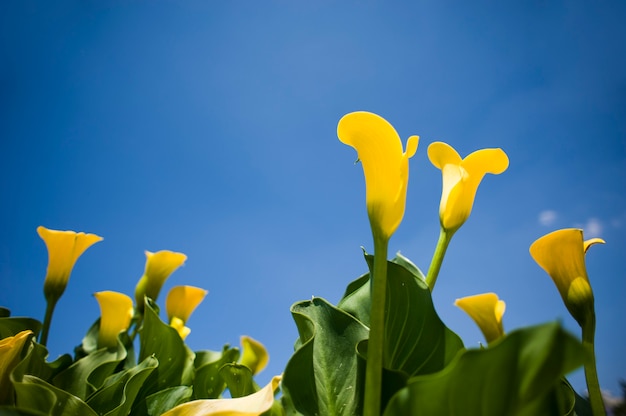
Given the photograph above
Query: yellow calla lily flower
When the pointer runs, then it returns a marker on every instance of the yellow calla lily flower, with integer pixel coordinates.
(64, 248)
(252, 405)
(487, 311)
(461, 178)
(254, 355)
(561, 254)
(385, 165)
(159, 266)
(116, 312)
(10, 355)
(181, 301)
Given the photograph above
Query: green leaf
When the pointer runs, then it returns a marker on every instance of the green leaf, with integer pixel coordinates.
(11, 326)
(238, 380)
(12, 411)
(164, 400)
(323, 376)
(35, 363)
(4, 312)
(514, 376)
(208, 383)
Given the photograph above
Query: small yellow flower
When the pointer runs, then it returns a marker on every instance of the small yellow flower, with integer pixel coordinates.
(461, 178)
(252, 405)
(116, 312)
(159, 266)
(181, 301)
(561, 254)
(385, 165)
(64, 248)
(10, 355)
(254, 356)
(487, 311)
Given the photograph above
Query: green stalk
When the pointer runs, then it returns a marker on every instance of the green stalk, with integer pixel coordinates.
(374, 369)
(440, 252)
(50, 305)
(591, 373)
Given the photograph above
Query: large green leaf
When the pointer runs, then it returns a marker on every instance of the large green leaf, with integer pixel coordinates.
(208, 383)
(164, 400)
(239, 380)
(323, 376)
(517, 375)
(11, 326)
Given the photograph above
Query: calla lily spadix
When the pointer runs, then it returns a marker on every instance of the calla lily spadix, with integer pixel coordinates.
(385, 165)
(181, 301)
(159, 266)
(562, 255)
(64, 248)
(116, 312)
(487, 311)
(254, 355)
(461, 178)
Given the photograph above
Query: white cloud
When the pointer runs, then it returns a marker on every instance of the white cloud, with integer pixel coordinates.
(593, 228)
(547, 217)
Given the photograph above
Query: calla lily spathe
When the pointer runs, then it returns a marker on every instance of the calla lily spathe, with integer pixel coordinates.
(159, 266)
(64, 248)
(461, 178)
(487, 311)
(562, 255)
(254, 355)
(181, 301)
(385, 165)
(10, 355)
(116, 312)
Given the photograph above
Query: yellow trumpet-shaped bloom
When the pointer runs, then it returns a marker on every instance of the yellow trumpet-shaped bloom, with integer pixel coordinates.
(159, 266)
(252, 405)
(116, 312)
(487, 311)
(64, 248)
(10, 355)
(461, 178)
(254, 355)
(181, 301)
(385, 165)
(561, 254)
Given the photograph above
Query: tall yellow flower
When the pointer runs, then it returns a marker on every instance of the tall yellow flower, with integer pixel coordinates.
(116, 312)
(385, 165)
(461, 178)
(562, 255)
(10, 355)
(487, 311)
(159, 266)
(181, 301)
(64, 248)
(254, 355)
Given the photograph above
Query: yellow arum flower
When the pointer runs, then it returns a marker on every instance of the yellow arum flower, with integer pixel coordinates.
(181, 301)
(385, 165)
(254, 355)
(159, 266)
(562, 255)
(64, 248)
(486, 310)
(252, 405)
(461, 178)
(116, 312)
(10, 355)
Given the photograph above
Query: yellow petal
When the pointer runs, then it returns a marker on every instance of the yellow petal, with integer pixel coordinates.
(254, 356)
(10, 355)
(562, 255)
(116, 312)
(159, 266)
(252, 405)
(590, 242)
(487, 311)
(385, 167)
(461, 178)
(64, 248)
(181, 301)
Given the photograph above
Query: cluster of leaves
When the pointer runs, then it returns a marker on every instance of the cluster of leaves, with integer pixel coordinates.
(111, 381)
(427, 370)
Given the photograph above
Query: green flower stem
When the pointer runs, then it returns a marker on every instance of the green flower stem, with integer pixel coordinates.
(374, 369)
(440, 252)
(50, 305)
(591, 374)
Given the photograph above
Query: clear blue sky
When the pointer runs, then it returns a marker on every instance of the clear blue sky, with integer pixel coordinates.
(209, 127)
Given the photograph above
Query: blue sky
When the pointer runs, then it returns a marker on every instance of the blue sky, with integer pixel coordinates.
(209, 128)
